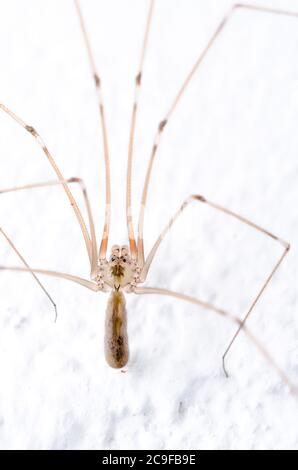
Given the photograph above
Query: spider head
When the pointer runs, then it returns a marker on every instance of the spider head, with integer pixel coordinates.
(119, 261)
(120, 271)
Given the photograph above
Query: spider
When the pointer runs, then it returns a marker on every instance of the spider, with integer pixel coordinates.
(126, 269)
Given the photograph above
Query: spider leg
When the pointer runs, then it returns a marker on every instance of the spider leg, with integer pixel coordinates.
(72, 200)
(138, 81)
(229, 316)
(198, 198)
(69, 277)
(29, 269)
(98, 86)
(164, 122)
(82, 186)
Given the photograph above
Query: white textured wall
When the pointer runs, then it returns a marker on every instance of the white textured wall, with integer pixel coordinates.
(234, 139)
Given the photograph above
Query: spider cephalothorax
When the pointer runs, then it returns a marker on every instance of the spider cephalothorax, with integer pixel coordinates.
(121, 271)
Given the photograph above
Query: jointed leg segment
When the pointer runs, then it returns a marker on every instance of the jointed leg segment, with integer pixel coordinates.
(78, 280)
(138, 81)
(237, 321)
(242, 219)
(80, 182)
(72, 200)
(97, 82)
(69, 277)
(29, 269)
(164, 122)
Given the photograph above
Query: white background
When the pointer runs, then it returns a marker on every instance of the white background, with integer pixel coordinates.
(234, 139)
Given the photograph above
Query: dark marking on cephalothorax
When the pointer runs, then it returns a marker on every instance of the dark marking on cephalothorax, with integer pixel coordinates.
(117, 270)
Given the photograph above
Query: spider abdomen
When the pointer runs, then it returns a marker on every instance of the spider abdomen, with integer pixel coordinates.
(116, 339)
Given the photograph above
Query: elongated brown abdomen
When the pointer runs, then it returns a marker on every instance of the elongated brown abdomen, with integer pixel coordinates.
(116, 340)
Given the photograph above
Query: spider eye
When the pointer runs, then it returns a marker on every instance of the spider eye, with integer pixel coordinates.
(124, 260)
(113, 258)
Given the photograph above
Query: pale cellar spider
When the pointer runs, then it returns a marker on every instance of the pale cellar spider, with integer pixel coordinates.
(126, 269)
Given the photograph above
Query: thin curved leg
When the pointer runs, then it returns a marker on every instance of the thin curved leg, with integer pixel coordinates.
(69, 277)
(217, 207)
(81, 183)
(72, 200)
(29, 270)
(232, 318)
(164, 122)
(138, 82)
(97, 82)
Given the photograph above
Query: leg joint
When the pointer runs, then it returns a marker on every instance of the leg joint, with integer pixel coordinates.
(31, 130)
